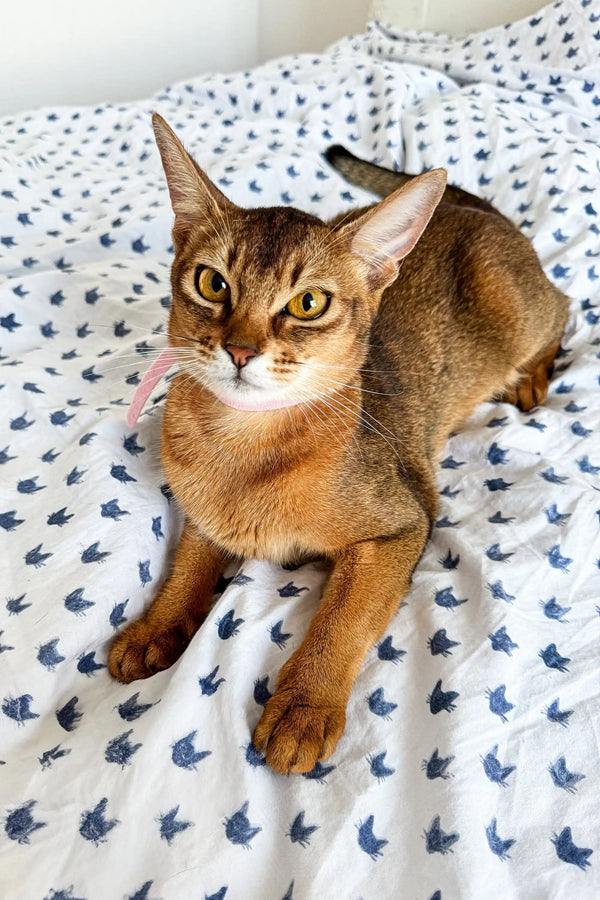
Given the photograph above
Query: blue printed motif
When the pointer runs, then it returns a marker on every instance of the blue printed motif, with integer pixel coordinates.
(479, 693)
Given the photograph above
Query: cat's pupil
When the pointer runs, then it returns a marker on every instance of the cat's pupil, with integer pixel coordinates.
(217, 283)
(308, 301)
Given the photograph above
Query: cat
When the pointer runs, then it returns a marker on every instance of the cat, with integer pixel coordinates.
(322, 368)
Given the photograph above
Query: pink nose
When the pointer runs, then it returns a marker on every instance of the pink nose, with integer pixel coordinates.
(240, 355)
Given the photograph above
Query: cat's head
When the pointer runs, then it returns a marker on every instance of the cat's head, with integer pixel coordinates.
(274, 305)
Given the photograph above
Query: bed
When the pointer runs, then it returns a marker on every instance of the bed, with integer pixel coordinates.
(469, 764)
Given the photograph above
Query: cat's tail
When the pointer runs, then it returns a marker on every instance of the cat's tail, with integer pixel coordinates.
(365, 174)
(382, 181)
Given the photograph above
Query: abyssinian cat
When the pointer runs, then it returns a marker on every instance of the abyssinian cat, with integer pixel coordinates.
(322, 367)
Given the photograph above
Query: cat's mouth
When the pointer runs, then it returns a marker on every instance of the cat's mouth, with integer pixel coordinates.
(241, 394)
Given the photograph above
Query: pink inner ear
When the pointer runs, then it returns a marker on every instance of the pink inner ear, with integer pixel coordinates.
(150, 379)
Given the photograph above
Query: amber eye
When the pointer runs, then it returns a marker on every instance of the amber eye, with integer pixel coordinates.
(211, 285)
(308, 304)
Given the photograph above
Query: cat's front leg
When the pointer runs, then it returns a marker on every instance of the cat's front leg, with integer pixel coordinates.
(305, 717)
(159, 637)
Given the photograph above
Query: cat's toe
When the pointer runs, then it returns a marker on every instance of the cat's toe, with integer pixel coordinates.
(138, 653)
(294, 736)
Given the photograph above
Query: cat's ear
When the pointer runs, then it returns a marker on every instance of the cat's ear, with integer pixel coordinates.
(384, 235)
(193, 195)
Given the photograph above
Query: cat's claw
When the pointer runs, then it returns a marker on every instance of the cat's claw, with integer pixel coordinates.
(295, 734)
(139, 653)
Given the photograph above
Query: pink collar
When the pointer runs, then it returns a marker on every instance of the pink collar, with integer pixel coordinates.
(150, 379)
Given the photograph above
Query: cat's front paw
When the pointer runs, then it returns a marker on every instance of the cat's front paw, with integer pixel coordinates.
(140, 651)
(294, 733)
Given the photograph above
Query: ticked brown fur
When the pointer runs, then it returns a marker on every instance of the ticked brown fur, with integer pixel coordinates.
(401, 357)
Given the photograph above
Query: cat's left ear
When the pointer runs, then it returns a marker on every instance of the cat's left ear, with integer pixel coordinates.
(193, 195)
(384, 235)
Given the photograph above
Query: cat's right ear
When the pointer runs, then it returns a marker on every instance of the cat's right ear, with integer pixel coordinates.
(194, 197)
(387, 232)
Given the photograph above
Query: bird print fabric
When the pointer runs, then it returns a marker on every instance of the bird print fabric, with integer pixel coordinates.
(470, 755)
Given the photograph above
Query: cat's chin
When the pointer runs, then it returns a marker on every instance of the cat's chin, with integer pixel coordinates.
(248, 406)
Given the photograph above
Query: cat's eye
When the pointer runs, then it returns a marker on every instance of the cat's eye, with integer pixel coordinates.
(211, 285)
(308, 304)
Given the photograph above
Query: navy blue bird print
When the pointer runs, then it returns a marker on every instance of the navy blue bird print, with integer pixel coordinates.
(238, 829)
(130, 709)
(498, 703)
(121, 474)
(386, 651)
(501, 641)
(568, 852)
(379, 706)
(300, 833)
(554, 517)
(9, 521)
(449, 561)
(367, 841)
(18, 708)
(553, 659)
(117, 617)
(496, 456)
(561, 776)
(441, 700)
(120, 749)
(439, 841)
(319, 772)
(554, 611)
(436, 766)
(48, 655)
(557, 561)
(171, 826)
(290, 590)
(499, 592)
(378, 766)
(493, 768)
(555, 714)
(262, 694)
(60, 517)
(494, 553)
(67, 716)
(253, 756)
(111, 510)
(94, 826)
(278, 636)
(446, 599)
(49, 756)
(207, 683)
(20, 824)
(92, 554)
(441, 644)
(496, 844)
(184, 753)
(76, 603)
(87, 665)
(219, 895)
(227, 626)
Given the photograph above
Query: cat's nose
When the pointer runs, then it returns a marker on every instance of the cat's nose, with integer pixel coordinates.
(240, 355)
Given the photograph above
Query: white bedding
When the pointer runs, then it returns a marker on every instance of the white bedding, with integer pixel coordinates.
(470, 761)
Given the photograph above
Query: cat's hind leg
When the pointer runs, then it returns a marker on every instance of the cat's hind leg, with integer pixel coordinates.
(534, 378)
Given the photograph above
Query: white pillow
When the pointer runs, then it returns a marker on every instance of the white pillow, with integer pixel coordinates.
(459, 17)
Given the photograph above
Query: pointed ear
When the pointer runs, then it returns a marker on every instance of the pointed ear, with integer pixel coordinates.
(193, 195)
(384, 235)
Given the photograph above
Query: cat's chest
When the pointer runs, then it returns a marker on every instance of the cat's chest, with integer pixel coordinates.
(264, 512)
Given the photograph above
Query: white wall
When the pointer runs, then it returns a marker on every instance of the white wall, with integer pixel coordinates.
(457, 17)
(55, 52)
(301, 26)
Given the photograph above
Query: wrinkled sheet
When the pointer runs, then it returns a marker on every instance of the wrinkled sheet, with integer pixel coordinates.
(470, 758)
